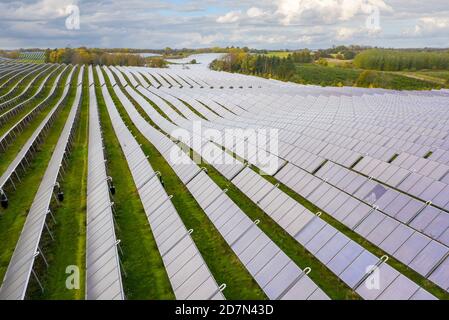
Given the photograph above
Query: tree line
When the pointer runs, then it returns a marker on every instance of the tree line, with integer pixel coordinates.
(240, 61)
(269, 66)
(10, 54)
(92, 56)
(261, 65)
(401, 60)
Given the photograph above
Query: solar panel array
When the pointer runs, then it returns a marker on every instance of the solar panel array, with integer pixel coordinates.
(18, 274)
(8, 99)
(361, 176)
(428, 255)
(316, 235)
(274, 271)
(27, 69)
(32, 55)
(188, 273)
(30, 145)
(9, 136)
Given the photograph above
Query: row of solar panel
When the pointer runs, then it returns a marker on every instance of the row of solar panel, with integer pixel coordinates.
(290, 217)
(438, 256)
(103, 276)
(280, 278)
(188, 273)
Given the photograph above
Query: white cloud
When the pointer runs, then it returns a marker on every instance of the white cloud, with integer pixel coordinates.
(328, 11)
(345, 33)
(305, 39)
(230, 17)
(268, 24)
(429, 26)
(43, 9)
(255, 12)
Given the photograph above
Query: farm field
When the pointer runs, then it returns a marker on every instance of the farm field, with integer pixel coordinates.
(435, 75)
(109, 191)
(279, 54)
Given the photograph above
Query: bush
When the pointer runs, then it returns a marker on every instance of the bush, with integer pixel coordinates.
(322, 62)
(376, 79)
(349, 55)
(156, 62)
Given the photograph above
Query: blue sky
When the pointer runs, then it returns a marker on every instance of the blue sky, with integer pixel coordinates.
(270, 24)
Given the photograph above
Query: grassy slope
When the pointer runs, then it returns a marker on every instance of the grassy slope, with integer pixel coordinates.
(441, 76)
(279, 54)
(146, 276)
(224, 265)
(407, 82)
(316, 74)
(335, 75)
(338, 62)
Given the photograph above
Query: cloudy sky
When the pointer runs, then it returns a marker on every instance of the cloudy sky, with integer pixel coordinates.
(270, 24)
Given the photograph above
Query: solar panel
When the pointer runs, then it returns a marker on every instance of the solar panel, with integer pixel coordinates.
(103, 276)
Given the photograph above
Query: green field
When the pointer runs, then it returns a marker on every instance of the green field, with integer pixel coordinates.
(434, 75)
(316, 74)
(310, 73)
(279, 54)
